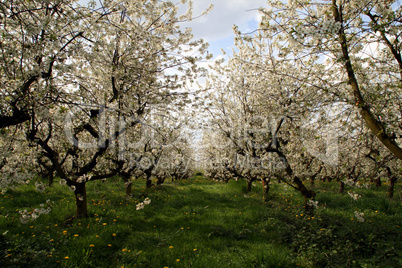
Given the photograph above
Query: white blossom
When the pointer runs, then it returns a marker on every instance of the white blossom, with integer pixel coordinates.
(40, 187)
(354, 195)
(359, 216)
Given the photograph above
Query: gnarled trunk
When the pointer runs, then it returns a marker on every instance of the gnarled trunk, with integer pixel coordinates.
(307, 194)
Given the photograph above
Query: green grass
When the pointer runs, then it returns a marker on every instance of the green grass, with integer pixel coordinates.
(200, 223)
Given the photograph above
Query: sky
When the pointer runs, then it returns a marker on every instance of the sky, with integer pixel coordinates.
(216, 26)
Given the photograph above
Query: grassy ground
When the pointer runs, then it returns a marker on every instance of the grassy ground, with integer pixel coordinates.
(199, 223)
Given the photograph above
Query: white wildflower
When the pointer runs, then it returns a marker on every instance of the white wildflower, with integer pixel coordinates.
(359, 216)
(312, 203)
(140, 206)
(40, 187)
(354, 195)
(147, 201)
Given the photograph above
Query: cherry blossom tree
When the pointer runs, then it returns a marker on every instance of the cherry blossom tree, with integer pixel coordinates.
(259, 113)
(92, 76)
(350, 49)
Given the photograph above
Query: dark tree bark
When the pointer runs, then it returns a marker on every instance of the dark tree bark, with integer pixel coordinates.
(377, 128)
(391, 186)
(81, 200)
(265, 187)
(249, 185)
(378, 182)
(128, 188)
(342, 187)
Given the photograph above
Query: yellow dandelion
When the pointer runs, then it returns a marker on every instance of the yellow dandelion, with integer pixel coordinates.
(171, 247)
(104, 224)
(64, 232)
(92, 245)
(113, 234)
(195, 249)
(109, 245)
(76, 235)
(124, 250)
(66, 258)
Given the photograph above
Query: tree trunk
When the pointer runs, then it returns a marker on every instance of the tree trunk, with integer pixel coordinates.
(249, 182)
(307, 194)
(128, 188)
(312, 181)
(342, 187)
(376, 127)
(149, 181)
(391, 187)
(81, 200)
(378, 182)
(127, 184)
(265, 187)
(51, 178)
(160, 181)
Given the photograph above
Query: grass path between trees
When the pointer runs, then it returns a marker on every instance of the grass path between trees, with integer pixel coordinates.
(200, 223)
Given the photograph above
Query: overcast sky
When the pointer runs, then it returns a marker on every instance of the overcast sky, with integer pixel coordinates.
(216, 27)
